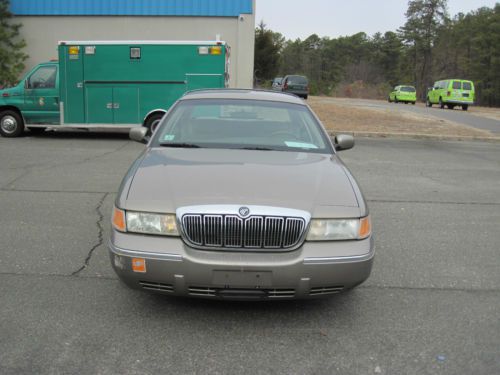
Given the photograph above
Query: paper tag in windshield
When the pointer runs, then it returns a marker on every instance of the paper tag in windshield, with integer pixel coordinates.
(300, 144)
(168, 137)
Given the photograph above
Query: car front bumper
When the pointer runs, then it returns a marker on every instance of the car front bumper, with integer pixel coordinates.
(171, 267)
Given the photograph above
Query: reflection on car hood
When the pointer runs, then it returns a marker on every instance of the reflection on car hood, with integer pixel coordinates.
(170, 178)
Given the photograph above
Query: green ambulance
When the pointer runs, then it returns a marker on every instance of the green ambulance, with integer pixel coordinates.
(404, 94)
(451, 93)
(119, 84)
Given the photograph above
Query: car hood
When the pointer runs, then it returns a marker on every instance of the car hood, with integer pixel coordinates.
(166, 179)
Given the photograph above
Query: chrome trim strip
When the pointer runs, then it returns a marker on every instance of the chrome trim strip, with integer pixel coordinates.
(144, 254)
(147, 42)
(333, 260)
(61, 113)
(93, 126)
(232, 209)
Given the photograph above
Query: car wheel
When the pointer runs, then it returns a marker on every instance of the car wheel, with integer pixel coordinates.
(413, 103)
(11, 124)
(465, 107)
(305, 97)
(152, 122)
(406, 102)
(389, 99)
(396, 100)
(441, 104)
(428, 103)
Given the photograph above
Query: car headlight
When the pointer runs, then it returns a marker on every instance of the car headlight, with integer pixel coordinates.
(145, 222)
(339, 229)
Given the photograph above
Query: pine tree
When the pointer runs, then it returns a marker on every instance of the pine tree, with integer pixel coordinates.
(424, 19)
(11, 45)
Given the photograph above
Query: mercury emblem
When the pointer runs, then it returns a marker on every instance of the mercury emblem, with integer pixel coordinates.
(244, 211)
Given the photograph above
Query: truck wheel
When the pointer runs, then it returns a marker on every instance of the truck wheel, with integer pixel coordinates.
(152, 122)
(465, 107)
(412, 103)
(428, 103)
(441, 104)
(396, 100)
(11, 124)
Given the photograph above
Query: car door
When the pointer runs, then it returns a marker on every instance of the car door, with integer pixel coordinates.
(41, 99)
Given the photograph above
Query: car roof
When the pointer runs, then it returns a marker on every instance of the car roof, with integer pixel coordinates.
(248, 94)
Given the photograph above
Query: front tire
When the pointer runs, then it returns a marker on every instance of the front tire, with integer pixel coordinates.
(441, 104)
(428, 103)
(11, 124)
(465, 107)
(412, 103)
(396, 100)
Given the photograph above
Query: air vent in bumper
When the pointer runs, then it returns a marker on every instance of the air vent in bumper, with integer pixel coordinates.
(157, 287)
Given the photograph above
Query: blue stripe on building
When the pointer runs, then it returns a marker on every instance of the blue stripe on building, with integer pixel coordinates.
(202, 8)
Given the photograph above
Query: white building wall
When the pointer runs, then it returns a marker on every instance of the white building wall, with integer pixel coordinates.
(43, 33)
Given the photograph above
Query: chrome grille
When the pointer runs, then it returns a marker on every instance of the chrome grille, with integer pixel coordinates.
(232, 231)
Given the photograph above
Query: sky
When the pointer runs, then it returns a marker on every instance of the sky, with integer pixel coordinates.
(301, 18)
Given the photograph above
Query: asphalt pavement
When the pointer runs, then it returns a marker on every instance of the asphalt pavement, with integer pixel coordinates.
(431, 305)
(456, 115)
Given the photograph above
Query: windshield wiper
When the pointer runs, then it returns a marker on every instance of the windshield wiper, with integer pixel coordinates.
(256, 148)
(179, 145)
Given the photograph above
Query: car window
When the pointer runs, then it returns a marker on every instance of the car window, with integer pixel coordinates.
(457, 85)
(408, 89)
(467, 85)
(238, 124)
(44, 77)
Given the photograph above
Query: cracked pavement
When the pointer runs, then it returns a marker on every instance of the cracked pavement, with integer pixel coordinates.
(431, 305)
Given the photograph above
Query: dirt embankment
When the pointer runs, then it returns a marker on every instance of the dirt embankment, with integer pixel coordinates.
(339, 115)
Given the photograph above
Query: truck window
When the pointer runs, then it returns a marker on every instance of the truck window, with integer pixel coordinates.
(467, 86)
(43, 78)
(457, 85)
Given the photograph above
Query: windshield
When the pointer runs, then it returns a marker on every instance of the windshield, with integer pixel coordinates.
(408, 89)
(241, 124)
(297, 80)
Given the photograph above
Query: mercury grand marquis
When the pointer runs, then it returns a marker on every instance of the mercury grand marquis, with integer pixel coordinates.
(241, 194)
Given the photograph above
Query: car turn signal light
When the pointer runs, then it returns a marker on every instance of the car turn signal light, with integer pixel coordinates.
(365, 227)
(119, 220)
(139, 265)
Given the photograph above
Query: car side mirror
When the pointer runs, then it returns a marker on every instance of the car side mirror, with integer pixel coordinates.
(343, 142)
(139, 134)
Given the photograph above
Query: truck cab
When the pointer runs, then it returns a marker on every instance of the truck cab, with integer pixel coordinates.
(34, 100)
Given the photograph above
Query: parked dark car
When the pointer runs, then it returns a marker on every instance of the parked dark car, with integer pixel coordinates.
(298, 85)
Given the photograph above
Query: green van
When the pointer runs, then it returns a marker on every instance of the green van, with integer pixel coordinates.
(451, 93)
(405, 94)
